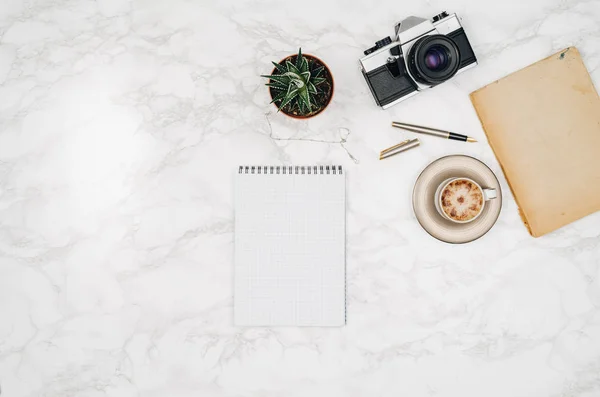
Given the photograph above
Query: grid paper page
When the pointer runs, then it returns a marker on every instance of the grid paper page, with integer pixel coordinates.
(290, 250)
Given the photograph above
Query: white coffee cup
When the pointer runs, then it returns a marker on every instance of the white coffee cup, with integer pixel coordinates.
(487, 194)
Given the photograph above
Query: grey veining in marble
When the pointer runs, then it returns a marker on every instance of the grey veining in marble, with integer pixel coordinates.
(121, 123)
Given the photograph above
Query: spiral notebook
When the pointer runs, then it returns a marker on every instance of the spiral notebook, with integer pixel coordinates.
(290, 246)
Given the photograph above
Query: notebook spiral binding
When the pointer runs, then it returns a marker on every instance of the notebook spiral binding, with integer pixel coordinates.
(297, 170)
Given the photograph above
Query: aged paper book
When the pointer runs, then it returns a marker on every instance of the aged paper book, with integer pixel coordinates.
(543, 124)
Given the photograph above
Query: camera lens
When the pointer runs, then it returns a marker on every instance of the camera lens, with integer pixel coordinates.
(436, 58)
(433, 59)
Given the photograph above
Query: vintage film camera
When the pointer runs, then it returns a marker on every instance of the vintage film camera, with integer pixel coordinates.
(424, 54)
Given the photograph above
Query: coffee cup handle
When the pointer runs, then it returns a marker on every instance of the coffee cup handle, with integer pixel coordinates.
(489, 194)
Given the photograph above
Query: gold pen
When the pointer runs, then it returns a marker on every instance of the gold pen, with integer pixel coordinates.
(401, 147)
(433, 131)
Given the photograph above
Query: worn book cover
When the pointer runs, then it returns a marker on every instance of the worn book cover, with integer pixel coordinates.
(543, 124)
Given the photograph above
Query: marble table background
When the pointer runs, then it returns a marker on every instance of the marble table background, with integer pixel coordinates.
(121, 124)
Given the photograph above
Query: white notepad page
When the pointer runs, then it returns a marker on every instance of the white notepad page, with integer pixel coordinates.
(290, 246)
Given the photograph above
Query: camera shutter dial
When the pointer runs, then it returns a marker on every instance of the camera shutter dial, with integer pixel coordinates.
(383, 42)
(379, 44)
(440, 16)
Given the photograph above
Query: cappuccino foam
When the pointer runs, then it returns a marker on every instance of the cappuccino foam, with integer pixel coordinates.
(462, 200)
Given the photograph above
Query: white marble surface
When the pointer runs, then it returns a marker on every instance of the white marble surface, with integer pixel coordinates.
(121, 123)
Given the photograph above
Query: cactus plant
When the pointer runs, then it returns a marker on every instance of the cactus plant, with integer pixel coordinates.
(300, 86)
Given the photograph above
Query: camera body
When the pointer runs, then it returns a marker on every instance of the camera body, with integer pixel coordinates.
(425, 53)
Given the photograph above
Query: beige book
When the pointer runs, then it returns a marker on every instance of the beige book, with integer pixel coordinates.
(543, 124)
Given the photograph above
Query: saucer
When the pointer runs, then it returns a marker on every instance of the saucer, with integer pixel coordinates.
(424, 205)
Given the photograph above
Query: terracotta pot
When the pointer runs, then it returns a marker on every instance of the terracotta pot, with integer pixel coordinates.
(328, 76)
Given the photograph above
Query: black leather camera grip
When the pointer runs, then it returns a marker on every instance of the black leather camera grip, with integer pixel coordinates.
(467, 56)
(386, 87)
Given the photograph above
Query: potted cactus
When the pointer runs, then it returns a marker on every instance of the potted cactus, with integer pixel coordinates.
(301, 86)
